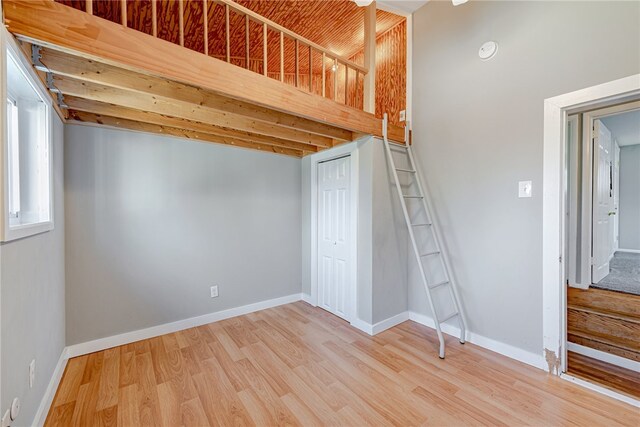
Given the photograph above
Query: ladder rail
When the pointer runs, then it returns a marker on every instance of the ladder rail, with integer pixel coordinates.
(444, 255)
(411, 234)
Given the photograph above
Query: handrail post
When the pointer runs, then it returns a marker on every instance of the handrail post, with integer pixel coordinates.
(310, 69)
(89, 7)
(324, 74)
(154, 17)
(123, 12)
(334, 69)
(370, 58)
(346, 84)
(181, 21)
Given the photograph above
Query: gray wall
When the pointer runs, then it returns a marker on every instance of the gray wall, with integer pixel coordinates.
(478, 130)
(153, 222)
(33, 298)
(630, 197)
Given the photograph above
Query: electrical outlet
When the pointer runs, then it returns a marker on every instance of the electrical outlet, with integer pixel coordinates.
(403, 115)
(214, 291)
(32, 373)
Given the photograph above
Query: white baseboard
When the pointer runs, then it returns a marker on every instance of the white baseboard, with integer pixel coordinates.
(510, 351)
(376, 328)
(633, 251)
(50, 392)
(307, 298)
(167, 328)
(604, 356)
(602, 390)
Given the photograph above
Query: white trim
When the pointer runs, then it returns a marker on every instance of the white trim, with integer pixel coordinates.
(360, 324)
(49, 394)
(524, 356)
(613, 359)
(390, 322)
(602, 390)
(350, 149)
(167, 328)
(8, 232)
(553, 248)
(307, 298)
(632, 251)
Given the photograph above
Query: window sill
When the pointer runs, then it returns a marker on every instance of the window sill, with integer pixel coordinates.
(26, 230)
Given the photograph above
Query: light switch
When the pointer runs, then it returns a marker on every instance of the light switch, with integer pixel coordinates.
(524, 189)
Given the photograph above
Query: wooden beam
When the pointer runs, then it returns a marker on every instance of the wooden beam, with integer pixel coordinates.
(104, 109)
(82, 117)
(205, 25)
(184, 110)
(51, 24)
(370, 58)
(94, 72)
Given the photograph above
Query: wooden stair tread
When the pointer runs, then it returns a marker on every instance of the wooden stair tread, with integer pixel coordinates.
(610, 376)
(623, 343)
(604, 312)
(609, 301)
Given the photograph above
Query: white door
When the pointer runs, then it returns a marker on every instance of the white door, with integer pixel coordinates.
(616, 196)
(334, 261)
(602, 201)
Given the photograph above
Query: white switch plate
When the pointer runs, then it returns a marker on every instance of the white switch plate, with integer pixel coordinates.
(524, 189)
(32, 373)
(214, 291)
(403, 115)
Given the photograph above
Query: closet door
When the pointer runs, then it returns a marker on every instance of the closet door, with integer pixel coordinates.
(334, 253)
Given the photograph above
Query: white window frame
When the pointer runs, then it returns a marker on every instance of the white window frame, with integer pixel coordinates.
(10, 232)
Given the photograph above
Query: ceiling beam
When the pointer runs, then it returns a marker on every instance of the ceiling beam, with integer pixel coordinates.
(63, 28)
(104, 109)
(184, 110)
(96, 119)
(95, 72)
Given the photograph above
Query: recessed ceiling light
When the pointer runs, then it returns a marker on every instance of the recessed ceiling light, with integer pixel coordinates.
(488, 50)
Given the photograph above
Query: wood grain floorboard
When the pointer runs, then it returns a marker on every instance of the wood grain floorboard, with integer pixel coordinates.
(299, 365)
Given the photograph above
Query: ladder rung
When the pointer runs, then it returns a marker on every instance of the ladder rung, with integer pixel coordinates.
(395, 144)
(424, 224)
(435, 285)
(451, 316)
(412, 197)
(405, 170)
(430, 253)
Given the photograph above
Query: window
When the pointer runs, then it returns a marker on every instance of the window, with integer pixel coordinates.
(27, 145)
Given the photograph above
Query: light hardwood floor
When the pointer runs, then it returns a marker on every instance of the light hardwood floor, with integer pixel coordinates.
(299, 365)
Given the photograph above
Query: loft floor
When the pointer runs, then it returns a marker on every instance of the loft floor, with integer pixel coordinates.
(112, 75)
(299, 365)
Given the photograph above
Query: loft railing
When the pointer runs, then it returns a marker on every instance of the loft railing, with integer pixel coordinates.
(340, 79)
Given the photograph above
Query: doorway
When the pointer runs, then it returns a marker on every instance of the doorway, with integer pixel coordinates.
(334, 245)
(603, 280)
(555, 246)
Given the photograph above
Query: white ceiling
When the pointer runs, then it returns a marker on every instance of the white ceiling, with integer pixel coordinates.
(625, 127)
(404, 7)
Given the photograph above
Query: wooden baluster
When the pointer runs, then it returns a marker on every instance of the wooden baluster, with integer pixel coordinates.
(246, 39)
(310, 69)
(297, 62)
(123, 12)
(346, 84)
(181, 21)
(334, 69)
(205, 24)
(226, 26)
(355, 92)
(264, 48)
(369, 86)
(89, 7)
(281, 56)
(324, 76)
(154, 18)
